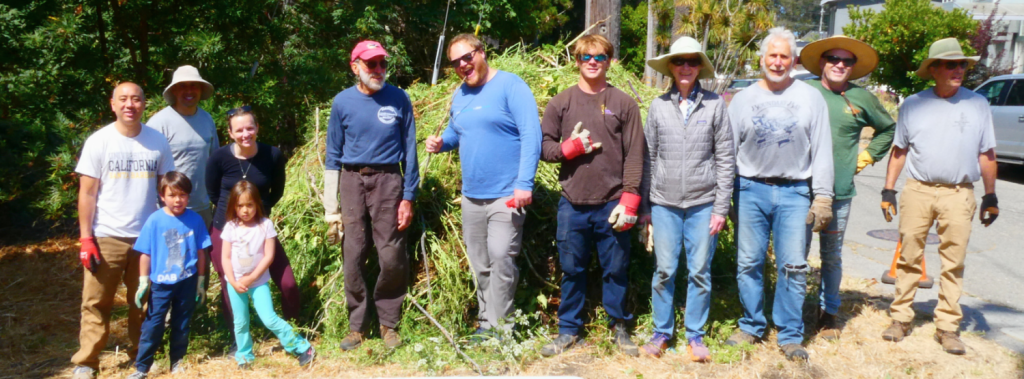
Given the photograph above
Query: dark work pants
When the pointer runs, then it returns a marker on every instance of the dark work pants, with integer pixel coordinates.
(180, 299)
(369, 211)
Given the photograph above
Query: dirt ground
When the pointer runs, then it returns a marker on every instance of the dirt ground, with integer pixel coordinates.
(40, 290)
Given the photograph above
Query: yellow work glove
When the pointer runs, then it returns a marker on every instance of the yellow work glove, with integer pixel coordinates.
(820, 214)
(863, 160)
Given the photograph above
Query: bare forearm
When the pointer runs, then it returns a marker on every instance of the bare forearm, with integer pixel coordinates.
(896, 162)
(987, 160)
(268, 257)
(143, 265)
(225, 263)
(86, 204)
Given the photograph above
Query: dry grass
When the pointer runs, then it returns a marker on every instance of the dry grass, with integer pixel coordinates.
(41, 286)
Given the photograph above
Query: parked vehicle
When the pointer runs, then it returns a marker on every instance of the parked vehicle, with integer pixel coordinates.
(1005, 94)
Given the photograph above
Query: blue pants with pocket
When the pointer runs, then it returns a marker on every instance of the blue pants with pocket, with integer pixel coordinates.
(180, 299)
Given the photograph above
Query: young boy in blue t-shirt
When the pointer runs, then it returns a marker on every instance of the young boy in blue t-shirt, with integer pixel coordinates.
(170, 243)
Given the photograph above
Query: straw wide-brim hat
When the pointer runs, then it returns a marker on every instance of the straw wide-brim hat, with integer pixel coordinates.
(944, 49)
(683, 46)
(867, 57)
(187, 74)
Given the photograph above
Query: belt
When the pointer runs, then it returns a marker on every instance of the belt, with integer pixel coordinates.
(776, 181)
(945, 185)
(373, 169)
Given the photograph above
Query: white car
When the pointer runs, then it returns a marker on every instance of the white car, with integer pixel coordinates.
(1005, 94)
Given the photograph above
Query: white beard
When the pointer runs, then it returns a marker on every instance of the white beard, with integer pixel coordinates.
(768, 76)
(367, 80)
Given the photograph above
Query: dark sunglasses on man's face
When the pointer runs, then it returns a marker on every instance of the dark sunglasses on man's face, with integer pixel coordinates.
(587, 57)
(834, 60)
(465, 58)
(372, 65)
(680, 61)
(953, 65)
(244, 108)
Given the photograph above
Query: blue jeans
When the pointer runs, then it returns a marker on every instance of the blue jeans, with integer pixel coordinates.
(674, 230)
(180, 299)
(292, 342)
(778, 211)
(831, 251)
(580, 228)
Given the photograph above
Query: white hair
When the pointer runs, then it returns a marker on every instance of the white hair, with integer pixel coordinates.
(779, 32)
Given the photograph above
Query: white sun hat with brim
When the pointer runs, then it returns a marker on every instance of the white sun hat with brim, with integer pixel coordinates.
(867, 57)
(187, 74)
(683, 46)
(947, 49)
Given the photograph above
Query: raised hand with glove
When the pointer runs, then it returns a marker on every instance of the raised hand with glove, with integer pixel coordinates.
(820, 214)
(624, 215)
(863, 160)
(888, 204)
(90, 254)
(989, 209)
(141, 292)
(579, 143)
(335, 230)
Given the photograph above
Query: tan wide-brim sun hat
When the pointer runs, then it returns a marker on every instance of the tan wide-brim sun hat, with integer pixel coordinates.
(187, 74)
(683, 46)
(867, 57)
(947, 49)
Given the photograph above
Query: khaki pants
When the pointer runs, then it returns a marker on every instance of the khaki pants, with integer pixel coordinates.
(120, 262)
(920, 206)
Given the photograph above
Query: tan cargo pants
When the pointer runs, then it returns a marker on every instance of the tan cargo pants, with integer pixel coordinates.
(120, 263)
(920, 206)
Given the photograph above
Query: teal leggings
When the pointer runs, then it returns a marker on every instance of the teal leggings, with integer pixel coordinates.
(292, 342)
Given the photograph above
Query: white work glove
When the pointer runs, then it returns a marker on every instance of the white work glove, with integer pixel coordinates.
(332, 215)
(141, 292)
(579, 143)
(647, 237)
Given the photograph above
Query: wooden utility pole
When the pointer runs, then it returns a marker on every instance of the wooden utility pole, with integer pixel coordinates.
(652, 26)
(598, 10)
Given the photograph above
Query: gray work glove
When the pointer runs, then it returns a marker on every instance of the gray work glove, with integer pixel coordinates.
(335, 230)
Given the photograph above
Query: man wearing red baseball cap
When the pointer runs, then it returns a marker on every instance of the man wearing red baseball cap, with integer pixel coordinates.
(371, 161)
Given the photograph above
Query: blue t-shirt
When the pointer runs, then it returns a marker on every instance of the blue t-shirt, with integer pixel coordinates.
(497, 130)
(374, 130)
(173, 244)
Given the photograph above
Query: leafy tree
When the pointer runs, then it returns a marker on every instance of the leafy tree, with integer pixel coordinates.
(902, 34)
(800, 16)
(728, 31)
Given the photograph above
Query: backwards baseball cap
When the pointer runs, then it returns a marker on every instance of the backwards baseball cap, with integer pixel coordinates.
(367, 50)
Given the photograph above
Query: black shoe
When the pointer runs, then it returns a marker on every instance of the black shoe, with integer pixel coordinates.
(307, 357)
(622, 340)
(795, 351)
(559, 345)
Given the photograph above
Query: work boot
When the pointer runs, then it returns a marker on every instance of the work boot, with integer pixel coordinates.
(83, 372)
(352, 340)
(741, 337)
(828, 326)
(307, 357)
(897, 330)
(950, 342)
(562, 343)
(622, 340)
(795, 351)
(391, 337)
(658, 344)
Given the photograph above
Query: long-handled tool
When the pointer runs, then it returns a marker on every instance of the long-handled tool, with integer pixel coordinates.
(889, 276)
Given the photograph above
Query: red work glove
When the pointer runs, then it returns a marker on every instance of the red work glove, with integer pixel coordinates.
(624, 215)
(90, 254)
(579, 143)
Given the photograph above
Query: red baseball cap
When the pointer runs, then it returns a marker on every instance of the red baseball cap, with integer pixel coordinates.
(366, 50)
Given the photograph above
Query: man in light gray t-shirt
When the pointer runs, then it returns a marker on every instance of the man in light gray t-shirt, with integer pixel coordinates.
(190, 131)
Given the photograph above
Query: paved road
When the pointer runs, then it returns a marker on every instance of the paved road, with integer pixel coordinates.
(994, 274)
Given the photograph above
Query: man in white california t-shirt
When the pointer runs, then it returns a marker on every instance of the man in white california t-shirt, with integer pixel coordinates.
(119, 169)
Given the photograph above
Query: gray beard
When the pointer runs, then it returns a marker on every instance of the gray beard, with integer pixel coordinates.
(365, 78)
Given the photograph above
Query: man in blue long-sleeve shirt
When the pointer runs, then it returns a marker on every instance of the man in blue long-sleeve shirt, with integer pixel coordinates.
(371, 161)
(495, 125)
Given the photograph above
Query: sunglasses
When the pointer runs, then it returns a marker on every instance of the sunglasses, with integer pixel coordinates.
(692, 62)
(465, 58)
(834, 60)
(242, 109)
(953, 65)
(372, 65)
(587, 57)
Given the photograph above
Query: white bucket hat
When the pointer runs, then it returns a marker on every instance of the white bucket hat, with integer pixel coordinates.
(187, 73)
(944, 49)
(683, 46)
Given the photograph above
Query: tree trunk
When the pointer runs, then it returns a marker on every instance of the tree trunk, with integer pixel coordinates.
(652, 26)
(598, 10)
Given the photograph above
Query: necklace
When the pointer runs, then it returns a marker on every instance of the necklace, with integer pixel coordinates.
(245, 172)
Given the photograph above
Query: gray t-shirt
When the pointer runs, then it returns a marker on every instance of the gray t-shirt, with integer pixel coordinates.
(945, 136)
(783, 134)
(192, 139)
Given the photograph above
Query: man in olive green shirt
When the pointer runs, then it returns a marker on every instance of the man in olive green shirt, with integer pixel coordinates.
(851, 108)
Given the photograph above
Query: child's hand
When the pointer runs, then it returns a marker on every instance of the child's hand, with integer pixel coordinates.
(246, 280)
(239, 287)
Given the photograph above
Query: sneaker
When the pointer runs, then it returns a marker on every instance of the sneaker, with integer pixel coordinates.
(83, 372)
(245, 366)
(795, 351)
(352, 340)
(480, 335)
(560, 344)
(622, 340)
(828, 326)
(658, 344)
(741, 337)
(697, 351)
(950, 342)
(391, 337)
(307, 357)
(233, 349)
(896, 331)
(137, 375)
(177, 367)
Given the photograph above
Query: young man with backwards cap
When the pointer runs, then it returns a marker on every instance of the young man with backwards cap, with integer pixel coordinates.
(838, 60)
(944, 135)
(371, 162)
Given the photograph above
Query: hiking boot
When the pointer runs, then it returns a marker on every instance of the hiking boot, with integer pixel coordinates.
(697, 351)
(828, 326)
(177, 367)
(658, 344)
(795, 351)
(562, 343)
(137, 375)
(351, 341)
(897, 330)
(622, 340)
(307, 357)
(950, 342)
(741, 337)
(83, 372)
(391, 337)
